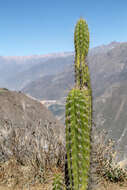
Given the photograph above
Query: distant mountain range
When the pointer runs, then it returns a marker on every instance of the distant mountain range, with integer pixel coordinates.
(51, 77)
(17, 71)
(107, 64)
(109, 80)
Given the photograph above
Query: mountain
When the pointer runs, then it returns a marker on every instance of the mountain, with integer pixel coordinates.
(51, 87)
(25, 122)
(17, 71)
(104, 48)
(111, 114)
(108, 68)
(106, 65)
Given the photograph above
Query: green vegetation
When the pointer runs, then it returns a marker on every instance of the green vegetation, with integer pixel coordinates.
(79, 113)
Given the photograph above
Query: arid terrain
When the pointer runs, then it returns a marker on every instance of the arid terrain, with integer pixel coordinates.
(32, 142)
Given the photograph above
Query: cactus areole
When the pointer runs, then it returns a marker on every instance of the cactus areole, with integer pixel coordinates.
(79, 114)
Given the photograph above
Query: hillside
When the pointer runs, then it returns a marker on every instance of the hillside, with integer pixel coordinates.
(108, 67)
(111, 114)
(28, 118)
(27, 126)
(31, 142)
(51, 87)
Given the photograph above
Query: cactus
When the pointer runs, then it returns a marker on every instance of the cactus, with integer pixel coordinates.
(78, 118)
(79, 114)
(81, 41)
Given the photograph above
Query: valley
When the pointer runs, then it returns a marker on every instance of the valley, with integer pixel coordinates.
(49, 79)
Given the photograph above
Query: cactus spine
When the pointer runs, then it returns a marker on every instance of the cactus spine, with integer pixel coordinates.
(79, 113)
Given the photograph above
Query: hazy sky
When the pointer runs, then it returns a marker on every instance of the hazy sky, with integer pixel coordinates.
(46, 26)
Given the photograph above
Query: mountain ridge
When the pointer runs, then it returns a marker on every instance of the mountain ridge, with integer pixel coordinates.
(108, 69)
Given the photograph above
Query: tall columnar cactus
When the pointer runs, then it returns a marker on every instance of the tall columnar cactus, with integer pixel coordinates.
(81, 41)
(79, 114)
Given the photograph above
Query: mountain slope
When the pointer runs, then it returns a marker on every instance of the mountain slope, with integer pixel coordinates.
(16, 72)
(105, 66)
(111, 114)
(52, 87)
(108, 67)
(30, 120)
(109, 80)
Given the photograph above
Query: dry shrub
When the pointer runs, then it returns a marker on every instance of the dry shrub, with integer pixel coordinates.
(104, 158)
(29, 158)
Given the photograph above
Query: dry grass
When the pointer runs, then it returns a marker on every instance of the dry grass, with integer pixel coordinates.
(107, 185)
(24, 164)
(15, 176)
(37, 168)
(104, 159)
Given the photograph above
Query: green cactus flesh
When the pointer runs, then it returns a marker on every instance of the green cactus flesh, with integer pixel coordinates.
(81, 41)
(78, 126)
